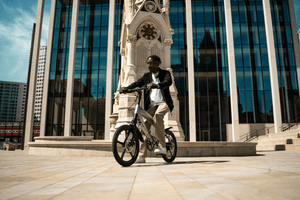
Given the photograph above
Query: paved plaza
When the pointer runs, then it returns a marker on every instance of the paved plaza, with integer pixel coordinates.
(269, 175)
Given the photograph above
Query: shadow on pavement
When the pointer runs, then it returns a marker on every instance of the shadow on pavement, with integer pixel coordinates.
(177, 163)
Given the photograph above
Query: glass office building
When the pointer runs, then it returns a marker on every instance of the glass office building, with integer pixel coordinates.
(206, 22)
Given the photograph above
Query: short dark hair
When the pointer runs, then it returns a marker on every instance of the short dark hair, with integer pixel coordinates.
(154, 58)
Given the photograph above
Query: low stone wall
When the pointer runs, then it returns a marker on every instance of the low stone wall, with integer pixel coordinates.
(84, 146)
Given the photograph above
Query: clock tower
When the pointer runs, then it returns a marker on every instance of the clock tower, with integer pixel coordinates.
(146, 30)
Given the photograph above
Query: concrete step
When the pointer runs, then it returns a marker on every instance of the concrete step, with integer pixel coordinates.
(277, 147)
(270, 143)
(292, 147)
(265, 148)
(293, 141)
(278, 137)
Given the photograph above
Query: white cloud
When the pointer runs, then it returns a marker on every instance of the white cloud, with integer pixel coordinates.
(15, 40)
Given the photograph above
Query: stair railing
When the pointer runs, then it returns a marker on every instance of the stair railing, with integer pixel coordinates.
(250, 136)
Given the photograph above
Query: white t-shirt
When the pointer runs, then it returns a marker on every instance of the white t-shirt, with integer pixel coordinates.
(156, 97)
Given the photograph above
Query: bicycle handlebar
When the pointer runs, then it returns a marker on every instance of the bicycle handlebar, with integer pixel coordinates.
(133, 90)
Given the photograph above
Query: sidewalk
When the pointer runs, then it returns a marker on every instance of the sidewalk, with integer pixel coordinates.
(269, 175)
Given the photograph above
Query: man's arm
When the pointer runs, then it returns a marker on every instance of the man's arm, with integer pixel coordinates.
(138, 83)
(167, 82)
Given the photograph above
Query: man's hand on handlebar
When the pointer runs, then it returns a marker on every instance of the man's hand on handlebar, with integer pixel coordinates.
(152, 85)
(123, 89)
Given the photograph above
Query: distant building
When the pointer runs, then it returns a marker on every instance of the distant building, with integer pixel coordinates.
(40, 83)
(12, 101)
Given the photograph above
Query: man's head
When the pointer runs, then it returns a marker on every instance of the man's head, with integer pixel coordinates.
(153, 63)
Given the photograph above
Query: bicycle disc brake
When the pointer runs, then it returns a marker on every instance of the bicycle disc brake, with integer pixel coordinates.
(151, 145)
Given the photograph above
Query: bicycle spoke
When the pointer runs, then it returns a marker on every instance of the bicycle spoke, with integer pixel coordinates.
(171, 153)
(121, 143)
(123, 153)
(126, 137)
(131, 154)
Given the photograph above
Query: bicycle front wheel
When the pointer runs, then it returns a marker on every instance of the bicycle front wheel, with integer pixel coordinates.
(125, 145)
(171, 145)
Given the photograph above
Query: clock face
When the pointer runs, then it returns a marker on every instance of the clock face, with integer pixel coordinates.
(207, 60)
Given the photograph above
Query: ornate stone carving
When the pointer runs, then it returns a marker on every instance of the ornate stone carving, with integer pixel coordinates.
(166, 5)
(131, 38)
(150, 6)
(172, 31)
(122, 52)
(168, 42)
(149, 31)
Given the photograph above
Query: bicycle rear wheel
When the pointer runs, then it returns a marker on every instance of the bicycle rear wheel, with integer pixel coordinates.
(125, 145)
(171, 145)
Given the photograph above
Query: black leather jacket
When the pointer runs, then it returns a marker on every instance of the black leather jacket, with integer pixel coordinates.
(165, 82)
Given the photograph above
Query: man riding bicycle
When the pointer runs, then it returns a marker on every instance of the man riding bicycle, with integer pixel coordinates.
(157, 101)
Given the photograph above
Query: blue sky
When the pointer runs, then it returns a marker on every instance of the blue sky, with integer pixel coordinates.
(16, 20)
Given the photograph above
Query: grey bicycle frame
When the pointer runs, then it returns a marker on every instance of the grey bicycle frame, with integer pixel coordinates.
(141, 113)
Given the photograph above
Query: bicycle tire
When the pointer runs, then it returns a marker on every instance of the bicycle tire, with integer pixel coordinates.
(125, 140)
(171, 145)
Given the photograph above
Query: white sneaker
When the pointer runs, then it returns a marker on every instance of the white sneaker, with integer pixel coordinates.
(160, 150)
(140, 160)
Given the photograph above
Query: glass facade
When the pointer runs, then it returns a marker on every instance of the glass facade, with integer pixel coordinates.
(212, 93)
(252, 65)
(211, 70)
(286, 67)
(90, 67)
(179, 60)
(59, 69)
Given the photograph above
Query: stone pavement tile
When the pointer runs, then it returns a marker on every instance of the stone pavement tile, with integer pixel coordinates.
(162, 190)
(178, 178)
(287, 187)
(17, 179)
(187, 185)
(248, 194)
(218, 183)
(285, 192)
(115, 195)
(269, 182)
(37, 197)
(112, 183)
(151, 171)
(49, 190)
(149, 181)
(40, 182)
(18, 190)
(200, 194)
(241, 175)
(120, 172)
(279, 174)
(93, 191)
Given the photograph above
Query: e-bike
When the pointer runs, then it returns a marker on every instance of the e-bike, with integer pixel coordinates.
(125, 143)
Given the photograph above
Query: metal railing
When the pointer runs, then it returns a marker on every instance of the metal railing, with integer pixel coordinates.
(253, 134)
(289, 125)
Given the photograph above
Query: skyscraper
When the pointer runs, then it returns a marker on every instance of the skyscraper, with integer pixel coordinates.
(12, 101)
(40, 83)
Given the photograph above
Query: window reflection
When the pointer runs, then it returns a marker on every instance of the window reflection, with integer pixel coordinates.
(179, 60)
(90, 69)
(252, 65)
(211, 70)
(285, 61)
